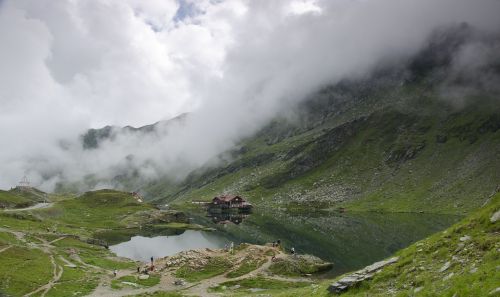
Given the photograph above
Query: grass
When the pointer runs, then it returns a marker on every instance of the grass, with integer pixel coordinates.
(93, 255)
(258, 283)
(160, 294)
(296, 266)
(23, 270)
(214, 266)
(10, 200)
(247, 265)
(100, 209)
(74, 282)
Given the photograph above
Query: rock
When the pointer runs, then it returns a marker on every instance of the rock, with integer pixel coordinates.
(130, 284)
(495, 217)
(493, 292)
(416, 290)
(144, 276)
(70, 265)
(445, 266)
(473, 270)
(380, 264)
(465, 238)
(449, 276)
(179, 282)
(353, 279)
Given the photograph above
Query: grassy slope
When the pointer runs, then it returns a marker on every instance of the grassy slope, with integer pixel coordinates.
(421, 154)
(17, 198)
(25, 267)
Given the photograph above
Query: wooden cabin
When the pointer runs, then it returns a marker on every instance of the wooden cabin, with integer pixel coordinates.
(230, 201)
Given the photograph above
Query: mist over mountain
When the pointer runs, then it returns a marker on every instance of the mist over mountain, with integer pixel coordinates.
(234, 67)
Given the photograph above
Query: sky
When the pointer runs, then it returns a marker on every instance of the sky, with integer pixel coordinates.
(70, 65)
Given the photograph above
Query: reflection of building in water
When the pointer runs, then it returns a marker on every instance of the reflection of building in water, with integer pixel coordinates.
(227, 217)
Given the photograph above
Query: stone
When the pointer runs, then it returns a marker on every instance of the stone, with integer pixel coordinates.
(495, 217)
(144, 276)
(473, 270)
(445, 266)
(418, 289)
(179, 282)
(493, 292)
(130, 284)
(380, 264)
(356, 277)
(449, 276)
(465, 238)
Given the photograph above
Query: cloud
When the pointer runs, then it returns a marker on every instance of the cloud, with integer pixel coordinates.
(67, 66)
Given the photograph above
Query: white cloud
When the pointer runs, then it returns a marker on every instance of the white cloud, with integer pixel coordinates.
(303, 6)
(68, 65)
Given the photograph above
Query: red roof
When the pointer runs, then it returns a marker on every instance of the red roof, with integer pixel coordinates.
(228, 198)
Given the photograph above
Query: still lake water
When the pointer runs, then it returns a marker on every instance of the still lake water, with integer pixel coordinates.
(142, 248)
(349, 240)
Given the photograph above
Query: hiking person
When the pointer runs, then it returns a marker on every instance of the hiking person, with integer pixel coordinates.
(151, 260)
(115, 272)
(138, 269)
(292, 250)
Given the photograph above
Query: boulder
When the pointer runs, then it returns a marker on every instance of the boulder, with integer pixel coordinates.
(465, 238)
(495, 217)
(355, 278)
(445, 266)
(179, 282)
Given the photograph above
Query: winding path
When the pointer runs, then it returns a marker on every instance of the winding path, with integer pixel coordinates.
(33, 207)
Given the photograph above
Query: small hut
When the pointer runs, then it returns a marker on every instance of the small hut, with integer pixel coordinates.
(230, 201)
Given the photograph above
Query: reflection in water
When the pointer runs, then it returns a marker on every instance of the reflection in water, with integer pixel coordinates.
(349, 240)
(227, 217)
(142, 248)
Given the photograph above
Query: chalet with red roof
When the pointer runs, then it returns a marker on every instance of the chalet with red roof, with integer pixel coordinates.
(231, 201)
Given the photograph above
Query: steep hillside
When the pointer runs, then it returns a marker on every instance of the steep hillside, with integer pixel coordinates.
(414, 135)
(397, 149)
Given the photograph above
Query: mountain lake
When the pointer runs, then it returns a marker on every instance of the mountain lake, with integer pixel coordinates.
(349, 240)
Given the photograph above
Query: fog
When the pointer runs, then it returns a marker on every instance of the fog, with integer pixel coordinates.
(67, 66)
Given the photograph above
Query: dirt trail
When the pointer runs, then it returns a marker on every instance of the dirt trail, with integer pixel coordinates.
(5, 248)
(192, 289)
(56, 275)
(36, 206)
(201, 289)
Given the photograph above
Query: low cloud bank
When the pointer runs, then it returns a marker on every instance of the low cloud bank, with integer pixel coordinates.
(233, 65)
